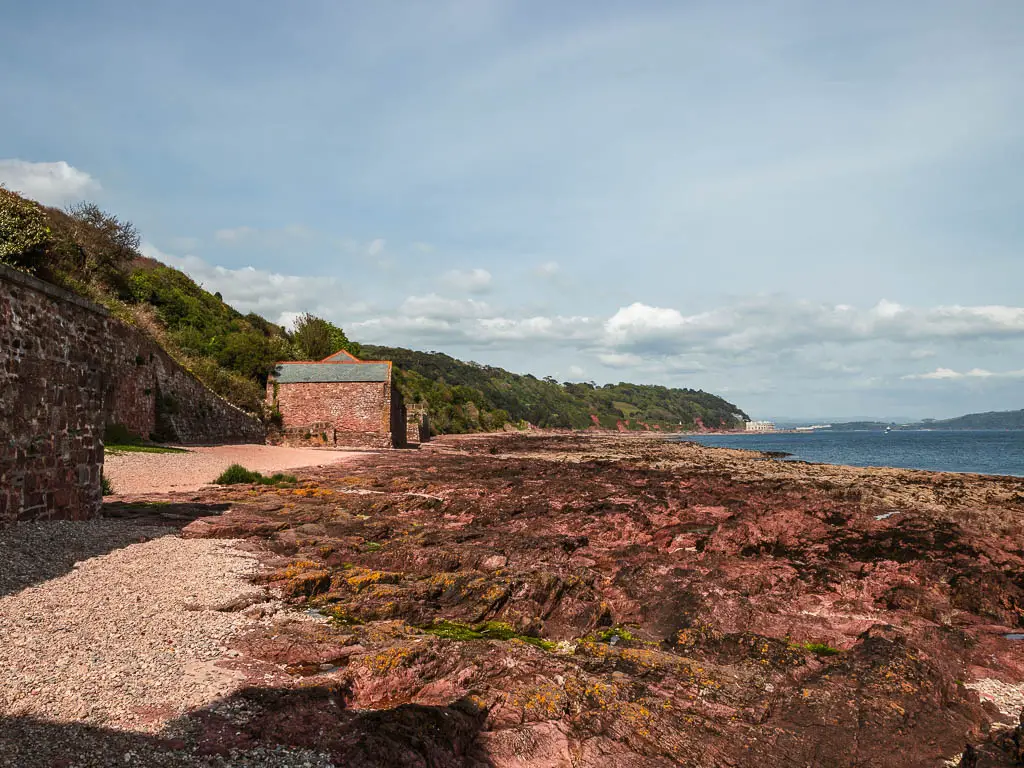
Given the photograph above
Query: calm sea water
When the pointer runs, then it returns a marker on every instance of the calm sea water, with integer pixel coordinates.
(986, 451)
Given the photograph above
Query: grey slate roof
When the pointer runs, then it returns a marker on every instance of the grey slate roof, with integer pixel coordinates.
(322, 373)
(341, 356)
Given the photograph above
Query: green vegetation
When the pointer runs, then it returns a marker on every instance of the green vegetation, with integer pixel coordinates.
(821, 649)
(118, 439)
(488, 630)
(237, 474)
(614, 633)
(134, 448)
(105, 485)
(315, 338)
(987, 420)
(469, 397)
(373, 546)
(95, 254)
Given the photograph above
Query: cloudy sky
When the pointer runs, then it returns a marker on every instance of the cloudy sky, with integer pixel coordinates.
(814, 209)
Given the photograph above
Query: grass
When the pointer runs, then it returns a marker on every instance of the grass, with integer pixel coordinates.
(236, 474)
(140, 448)
(821, 649)
(488, 630)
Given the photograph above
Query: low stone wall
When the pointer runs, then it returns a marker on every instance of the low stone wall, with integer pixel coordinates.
(67, 369)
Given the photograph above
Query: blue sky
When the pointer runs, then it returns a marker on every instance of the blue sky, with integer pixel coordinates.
(811, 208)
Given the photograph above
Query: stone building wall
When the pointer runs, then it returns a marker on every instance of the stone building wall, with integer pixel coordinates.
(417, 424)
(67, 369)
(362, 414)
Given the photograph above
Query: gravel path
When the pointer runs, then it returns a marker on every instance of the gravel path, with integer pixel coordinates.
(101, 655)
(126, 639)
(135, 473)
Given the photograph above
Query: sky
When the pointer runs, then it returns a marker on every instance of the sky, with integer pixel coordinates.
(813, 209)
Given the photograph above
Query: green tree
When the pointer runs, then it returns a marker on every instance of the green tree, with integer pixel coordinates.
(316, 338)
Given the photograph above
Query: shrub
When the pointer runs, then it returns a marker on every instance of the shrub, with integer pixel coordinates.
(24, 232)
(105, 485)
(107, 243)
(237, 474)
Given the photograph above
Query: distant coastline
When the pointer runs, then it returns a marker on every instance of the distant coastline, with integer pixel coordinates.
(997, 452)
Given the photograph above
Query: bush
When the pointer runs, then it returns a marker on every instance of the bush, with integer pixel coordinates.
(24, 233)
(237, 474)
(105, 485)
(108, 244)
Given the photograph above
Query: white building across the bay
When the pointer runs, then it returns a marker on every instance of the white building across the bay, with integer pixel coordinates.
(760, 426)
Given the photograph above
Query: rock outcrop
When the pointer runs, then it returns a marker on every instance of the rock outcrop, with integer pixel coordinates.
(622, 601)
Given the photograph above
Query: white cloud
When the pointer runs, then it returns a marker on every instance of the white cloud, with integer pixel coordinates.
(620, 359)
(274, 237)
(435, 306)
(560, 330)
(941, 374)
(233, 235)
(774, 323)
(49, 183)
(758, 347)
(273, 295)
(548, 269)
(469, 280)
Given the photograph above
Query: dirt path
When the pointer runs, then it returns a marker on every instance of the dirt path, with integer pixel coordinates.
(137, 473)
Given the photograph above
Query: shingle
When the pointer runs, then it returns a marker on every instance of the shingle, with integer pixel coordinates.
(322, 373)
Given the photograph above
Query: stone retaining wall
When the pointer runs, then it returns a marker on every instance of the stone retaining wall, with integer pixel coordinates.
(67, 369)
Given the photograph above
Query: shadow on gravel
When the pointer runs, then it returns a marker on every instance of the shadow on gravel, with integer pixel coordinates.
(37, 551)
(254, 727)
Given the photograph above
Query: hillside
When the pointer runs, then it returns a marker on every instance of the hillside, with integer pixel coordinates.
(95, 254)
(469, 396)
(987, 420)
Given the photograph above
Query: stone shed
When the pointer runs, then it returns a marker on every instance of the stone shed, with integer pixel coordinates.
(340, 401)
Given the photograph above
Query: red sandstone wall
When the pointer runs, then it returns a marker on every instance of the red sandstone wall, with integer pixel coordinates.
(66, 370)
(359, 411)
(51, 405)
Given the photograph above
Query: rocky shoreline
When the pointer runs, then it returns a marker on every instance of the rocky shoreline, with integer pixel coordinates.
(584, 600)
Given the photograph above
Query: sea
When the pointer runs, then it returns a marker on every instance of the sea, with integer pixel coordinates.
(989, 452)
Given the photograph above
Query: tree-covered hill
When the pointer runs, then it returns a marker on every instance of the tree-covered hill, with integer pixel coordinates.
(95, 254)
(987, 420)
(468, 396)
